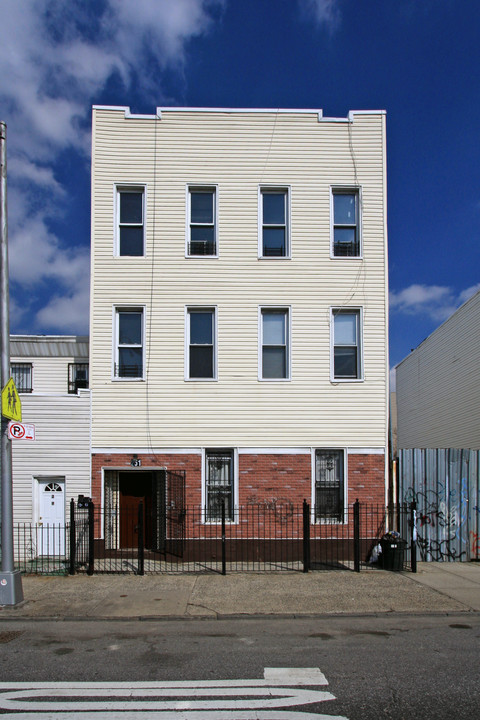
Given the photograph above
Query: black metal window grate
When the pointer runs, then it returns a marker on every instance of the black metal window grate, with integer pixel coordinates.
(201, 247)
(219, 485)
(128, 371)
(22, 376)
(329, 498)
(346, 249)
(77, 377)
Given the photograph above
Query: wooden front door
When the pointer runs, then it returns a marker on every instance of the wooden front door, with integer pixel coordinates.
(135, 487)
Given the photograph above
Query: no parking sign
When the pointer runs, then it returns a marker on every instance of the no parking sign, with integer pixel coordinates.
(20, 431)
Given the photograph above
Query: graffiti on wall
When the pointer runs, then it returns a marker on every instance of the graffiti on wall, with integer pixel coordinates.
(445, 486)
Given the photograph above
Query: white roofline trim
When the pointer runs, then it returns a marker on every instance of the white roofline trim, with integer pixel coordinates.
(128, 114)
(311, 111)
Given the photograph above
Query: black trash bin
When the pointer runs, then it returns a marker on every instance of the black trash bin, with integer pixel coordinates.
(393, 552)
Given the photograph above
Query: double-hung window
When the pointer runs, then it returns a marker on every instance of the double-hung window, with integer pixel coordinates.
(329, 485)
(202, 211)
(274, 222)
(274, 344)
(21, 374)
(346, 222)
(347, 349)
(129, 343)
(201, 360)
(219, 484)
(130, 241)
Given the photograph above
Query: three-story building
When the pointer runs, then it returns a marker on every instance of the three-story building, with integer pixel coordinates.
(239, 307)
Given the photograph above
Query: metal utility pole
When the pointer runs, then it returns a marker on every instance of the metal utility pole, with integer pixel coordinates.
(11, 592)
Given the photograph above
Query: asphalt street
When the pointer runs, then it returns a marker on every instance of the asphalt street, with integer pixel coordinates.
(389, 666)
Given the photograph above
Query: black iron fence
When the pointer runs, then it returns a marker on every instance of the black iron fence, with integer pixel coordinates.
(256, 538)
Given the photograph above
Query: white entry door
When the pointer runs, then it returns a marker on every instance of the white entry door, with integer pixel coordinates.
(51, 517)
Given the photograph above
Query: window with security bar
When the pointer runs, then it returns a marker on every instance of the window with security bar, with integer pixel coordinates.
(202, 221)
(274, 223)
(129, 343)
(218, 484)
(346, 222)
(329, 485)
(77, 377)
(22, 376)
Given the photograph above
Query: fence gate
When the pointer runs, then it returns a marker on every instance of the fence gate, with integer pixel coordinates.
(175, 512)
(168, 511)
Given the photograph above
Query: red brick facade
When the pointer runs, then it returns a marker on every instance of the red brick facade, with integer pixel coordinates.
(261, 477)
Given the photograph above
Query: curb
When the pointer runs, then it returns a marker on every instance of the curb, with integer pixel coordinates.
(239, 616)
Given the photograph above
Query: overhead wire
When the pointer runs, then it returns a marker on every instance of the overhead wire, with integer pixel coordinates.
(152, 283)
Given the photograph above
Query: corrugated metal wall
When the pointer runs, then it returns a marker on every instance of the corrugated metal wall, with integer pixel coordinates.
(445, 483)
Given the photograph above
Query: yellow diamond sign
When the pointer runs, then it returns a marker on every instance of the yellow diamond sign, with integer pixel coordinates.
(11, 405)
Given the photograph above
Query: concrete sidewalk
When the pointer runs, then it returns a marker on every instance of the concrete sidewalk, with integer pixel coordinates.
(435, 588)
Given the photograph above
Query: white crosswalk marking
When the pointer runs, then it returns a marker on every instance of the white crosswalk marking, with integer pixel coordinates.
(177, 700)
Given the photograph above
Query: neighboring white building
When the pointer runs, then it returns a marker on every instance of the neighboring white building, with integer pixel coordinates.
(239, 306)
(51, 376)
(438, 385)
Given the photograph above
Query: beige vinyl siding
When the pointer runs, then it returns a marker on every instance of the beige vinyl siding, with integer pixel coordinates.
(49, 374)
(61, 448)
(238, 152)
(62, 422)
(438, 389)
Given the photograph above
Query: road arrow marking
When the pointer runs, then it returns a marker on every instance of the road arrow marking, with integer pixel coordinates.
(177, 700)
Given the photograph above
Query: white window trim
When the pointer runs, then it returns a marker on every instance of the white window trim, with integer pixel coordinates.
(271, 188)
(126, 307)
(275, 308)
(200, 308)
(213, 448)
(329, 521)
(128, 187)
(347, 308)
(206, 187)
(346, 189)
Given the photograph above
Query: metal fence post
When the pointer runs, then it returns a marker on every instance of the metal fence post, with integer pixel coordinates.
(73, 534)
(413, 536)
(356, 536)
(306, 536)
(91, 538)
(141, 541)
(224, 541)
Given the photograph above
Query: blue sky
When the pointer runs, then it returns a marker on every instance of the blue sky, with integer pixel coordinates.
(418, 59)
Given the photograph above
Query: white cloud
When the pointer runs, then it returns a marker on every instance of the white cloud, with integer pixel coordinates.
(37, 259)
(51, 68)
(55, 60)
(36, 255)
(324, 12)
(469, 292)
(435, 301)
(27, 170)
(67, 313)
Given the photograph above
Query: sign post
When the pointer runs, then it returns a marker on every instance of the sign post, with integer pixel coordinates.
(11, 592)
